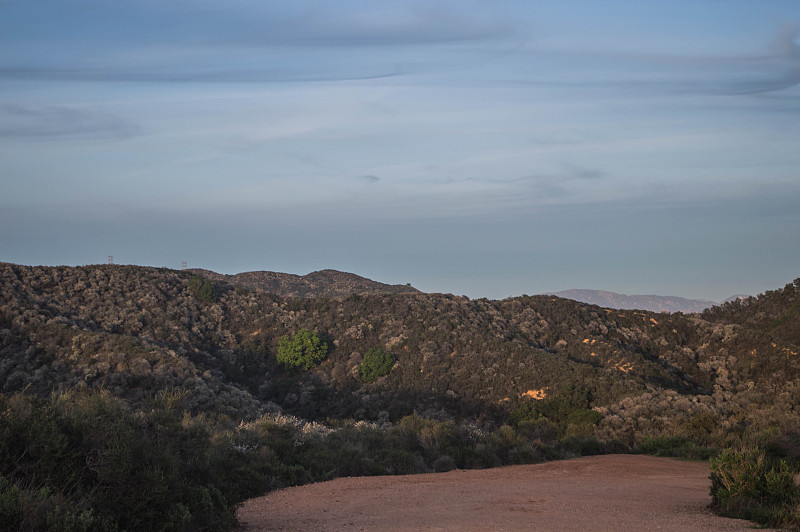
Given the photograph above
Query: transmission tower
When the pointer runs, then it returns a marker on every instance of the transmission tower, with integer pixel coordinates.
(111, 259)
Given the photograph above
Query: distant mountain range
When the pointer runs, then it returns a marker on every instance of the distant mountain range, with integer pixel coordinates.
(324, 283)
(652, 303)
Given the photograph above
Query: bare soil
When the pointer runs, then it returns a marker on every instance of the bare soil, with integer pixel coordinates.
(618, 492)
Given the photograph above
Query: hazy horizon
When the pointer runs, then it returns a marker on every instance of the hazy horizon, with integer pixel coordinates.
(481, 148)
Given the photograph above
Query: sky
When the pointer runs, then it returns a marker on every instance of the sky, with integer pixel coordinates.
(481, 148)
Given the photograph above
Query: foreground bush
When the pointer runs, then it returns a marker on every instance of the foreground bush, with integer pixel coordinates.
(82, 462)
(750, 484)
(86, 461)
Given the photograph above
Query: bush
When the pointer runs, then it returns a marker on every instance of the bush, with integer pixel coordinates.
(443, 464)
(749, 484)
(202, 289)
(82, 461)
(583, 446)
(377, 363)
(303, 351)
(675, 447)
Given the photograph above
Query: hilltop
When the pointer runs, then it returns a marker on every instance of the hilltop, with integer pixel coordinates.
(324, 283)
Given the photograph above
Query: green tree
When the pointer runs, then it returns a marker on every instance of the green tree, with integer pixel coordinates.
(202, 289)
(376, 363)
(303, 351)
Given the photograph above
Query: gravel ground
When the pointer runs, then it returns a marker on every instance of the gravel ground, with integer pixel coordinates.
(617, 492)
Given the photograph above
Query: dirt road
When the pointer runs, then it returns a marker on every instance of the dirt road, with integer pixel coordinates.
(618, 492)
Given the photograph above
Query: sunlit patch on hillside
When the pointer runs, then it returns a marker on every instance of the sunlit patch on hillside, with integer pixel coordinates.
(623, 366)
(535, 394)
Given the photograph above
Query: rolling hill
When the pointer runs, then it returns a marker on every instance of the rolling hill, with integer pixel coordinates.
(135, 330)
(324, 283)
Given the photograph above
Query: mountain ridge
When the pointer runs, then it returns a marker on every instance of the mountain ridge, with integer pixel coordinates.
(649, 302)
(322, 283)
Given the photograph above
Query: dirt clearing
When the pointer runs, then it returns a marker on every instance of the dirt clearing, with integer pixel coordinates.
(617, 492)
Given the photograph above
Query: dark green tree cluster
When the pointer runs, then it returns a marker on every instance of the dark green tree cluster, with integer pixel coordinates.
(377, 363)
(202, 289)
(304, 350)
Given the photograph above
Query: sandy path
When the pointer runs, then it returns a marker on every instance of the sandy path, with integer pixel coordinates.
(618, 492)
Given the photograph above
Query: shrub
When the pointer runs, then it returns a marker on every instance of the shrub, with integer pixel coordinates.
(304, 350)
(82, 461)
(749, 484)
(202, 289)
(377, 363)
(443, 464)
(583, 446)
(675, 447)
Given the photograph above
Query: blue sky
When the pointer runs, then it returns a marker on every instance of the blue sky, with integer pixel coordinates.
(474, 147)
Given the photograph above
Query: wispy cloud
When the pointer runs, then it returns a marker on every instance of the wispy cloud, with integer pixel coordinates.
(667, 75)
(19, 121)
(238, 41)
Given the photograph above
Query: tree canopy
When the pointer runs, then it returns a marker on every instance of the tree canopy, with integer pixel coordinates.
(304, 350)
(376, 363)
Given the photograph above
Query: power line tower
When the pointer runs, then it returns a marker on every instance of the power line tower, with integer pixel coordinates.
(111, 259)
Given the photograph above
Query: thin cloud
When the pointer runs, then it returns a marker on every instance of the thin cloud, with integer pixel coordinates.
(370, 178)
(582, 173)
(239, 41)
(657, 75)
(571, 172)
(643, 72)
(209, 75)
(18, 121)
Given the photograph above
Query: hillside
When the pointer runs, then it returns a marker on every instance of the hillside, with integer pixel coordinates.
(134, 330)
(652, 303)
(324, 283)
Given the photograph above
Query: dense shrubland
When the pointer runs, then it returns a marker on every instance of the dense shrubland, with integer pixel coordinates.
(407, 382)
(86, 461)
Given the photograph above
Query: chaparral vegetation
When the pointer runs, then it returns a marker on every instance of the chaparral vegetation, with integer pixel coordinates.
(202, 391)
